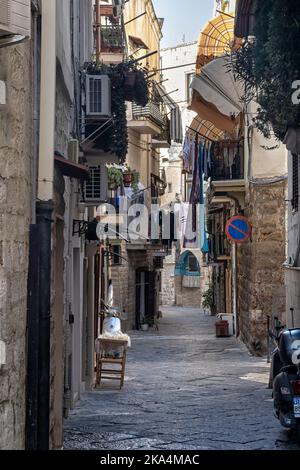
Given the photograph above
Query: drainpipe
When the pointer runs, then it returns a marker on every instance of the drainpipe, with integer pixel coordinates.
(35, 109)
(44, 209)
(98, 32)
(234, 285)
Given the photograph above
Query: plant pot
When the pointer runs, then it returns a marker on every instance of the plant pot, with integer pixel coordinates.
(130, 79)
(145, 327)
(127, 179)
(129, 84)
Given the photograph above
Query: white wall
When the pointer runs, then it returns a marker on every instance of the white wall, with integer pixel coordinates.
(228, 8)
(177, 79)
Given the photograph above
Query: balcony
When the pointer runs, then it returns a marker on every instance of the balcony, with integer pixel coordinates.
(148, 119)
(228, 172)
(219, 247)
(163, 140)
(112, 40)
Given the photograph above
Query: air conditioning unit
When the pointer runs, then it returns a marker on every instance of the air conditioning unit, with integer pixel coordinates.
(15, 16)
(98, 96)
(73, 150)
(95, 189)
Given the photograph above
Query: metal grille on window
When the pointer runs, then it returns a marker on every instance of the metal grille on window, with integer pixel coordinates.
(95, 96)
(193, 266)
(93, 185)
(116, 257)
(295, 183)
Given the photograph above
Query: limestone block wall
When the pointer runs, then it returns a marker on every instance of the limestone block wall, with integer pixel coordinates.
(261, 290)
(168, 281)
(15, 217)
(124, 281)
(187, 296)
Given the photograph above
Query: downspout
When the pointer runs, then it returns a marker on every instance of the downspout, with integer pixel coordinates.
(36, 64)
(234, 286)
(98, 32)
(32, 334)
(44, 209)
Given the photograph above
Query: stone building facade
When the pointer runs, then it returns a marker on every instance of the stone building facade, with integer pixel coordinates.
(260, 272)
(15, 217)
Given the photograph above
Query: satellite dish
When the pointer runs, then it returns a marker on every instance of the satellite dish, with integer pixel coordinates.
(11, 40)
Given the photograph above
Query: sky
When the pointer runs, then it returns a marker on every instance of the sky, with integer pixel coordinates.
(184, 19)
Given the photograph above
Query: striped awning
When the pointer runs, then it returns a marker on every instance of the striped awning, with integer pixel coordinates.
(206, 129)
(216, 39)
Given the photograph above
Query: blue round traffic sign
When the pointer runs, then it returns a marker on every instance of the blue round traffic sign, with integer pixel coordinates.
(238, 229)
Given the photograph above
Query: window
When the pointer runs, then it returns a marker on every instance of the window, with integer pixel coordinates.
(189, 91)
(295, 183)
(192, 265)
(116, 253)
(169, 187)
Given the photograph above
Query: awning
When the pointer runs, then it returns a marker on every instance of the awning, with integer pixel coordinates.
(72, 169)
(209, 112)
(138, 42)
(206, 129)
(216, 39)
(245, 17)
(216, 84)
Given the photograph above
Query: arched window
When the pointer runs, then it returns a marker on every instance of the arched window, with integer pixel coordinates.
(187, 265)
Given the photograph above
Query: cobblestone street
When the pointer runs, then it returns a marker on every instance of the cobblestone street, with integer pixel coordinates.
(184, 389)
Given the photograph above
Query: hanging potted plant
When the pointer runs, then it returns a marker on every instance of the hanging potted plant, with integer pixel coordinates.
(115, 178)
(129, 83)
(127, 177)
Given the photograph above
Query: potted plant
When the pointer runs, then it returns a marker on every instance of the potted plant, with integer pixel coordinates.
(127, 177)
(148, 321)
(115, 178)
(208, 300)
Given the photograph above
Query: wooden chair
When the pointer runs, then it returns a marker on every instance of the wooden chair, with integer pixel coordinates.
(105, 369)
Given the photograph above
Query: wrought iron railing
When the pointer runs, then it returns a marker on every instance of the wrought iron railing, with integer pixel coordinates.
(228, 161)
(150, 111)
(218, 246)
(112, 38)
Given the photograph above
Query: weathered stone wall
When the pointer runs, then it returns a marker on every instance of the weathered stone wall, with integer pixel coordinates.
(124, 281)
(168, 280)
(187, 296)
(15, 215)
(261, 289)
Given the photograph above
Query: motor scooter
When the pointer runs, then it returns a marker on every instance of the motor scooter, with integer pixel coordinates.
(285, 376)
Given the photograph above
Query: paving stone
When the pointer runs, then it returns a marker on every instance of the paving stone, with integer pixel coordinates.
(185, 389)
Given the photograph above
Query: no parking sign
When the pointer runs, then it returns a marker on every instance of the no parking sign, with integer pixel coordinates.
(238, 229)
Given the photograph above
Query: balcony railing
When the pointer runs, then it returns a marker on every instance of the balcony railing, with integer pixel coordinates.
(112, 39)
(151, 111)
(219, 246)
(228, 161)
(164, 138)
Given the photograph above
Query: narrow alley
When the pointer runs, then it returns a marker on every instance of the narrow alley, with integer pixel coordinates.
(184, 389)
